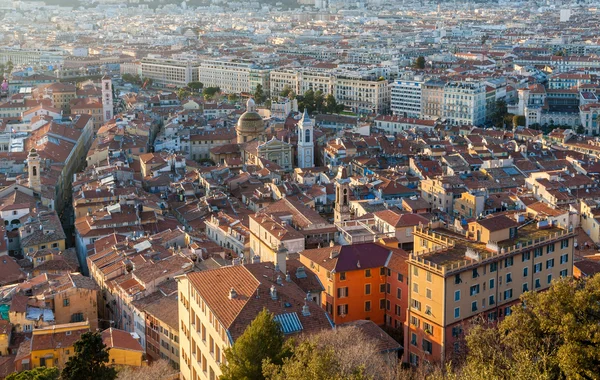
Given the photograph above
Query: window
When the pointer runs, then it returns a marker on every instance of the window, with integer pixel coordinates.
(342, 276)
(550, 248)
(77, 317)
(415, 271)
(549, 263)
(508, 262)
(564, 243)
(507, 311)
(416, 304)
(537, 252)
(457, 312)
(429, 293)
(66, 302)
(382, 271)
(474, 290)
(475, 273)
(414, 359)
(428, 276)
(342, 310)
(428, 328)
(492, 301)
(367, 273)
(415, 287)
(508, 278)
(400, 277)
(525, 287)
(427, 346)
(549, 278)
(525, 256)
(457, 295)
(537, 268)
(381, 288)
(413, 339)
(508, 294)
(342, 292)
(367, 305)
(492, 283)
(525, 271)
(493, 267)
(398, 293)
(474, 306)
(415, 321)
(563, 273)
(457, 279)
(397, 310)
(564, 258)
(537, 283)
(368, 289)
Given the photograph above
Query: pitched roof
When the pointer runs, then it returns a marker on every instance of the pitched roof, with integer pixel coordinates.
(114, 338)
(349, 257)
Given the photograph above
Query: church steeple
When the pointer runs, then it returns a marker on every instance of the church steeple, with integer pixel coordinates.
(33, 168)
(306, 142)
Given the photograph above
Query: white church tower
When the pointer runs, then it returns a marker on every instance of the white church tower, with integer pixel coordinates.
(306, 154)
(107, 99)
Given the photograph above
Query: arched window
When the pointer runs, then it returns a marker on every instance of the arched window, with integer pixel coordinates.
(307, 136)
(35, 170)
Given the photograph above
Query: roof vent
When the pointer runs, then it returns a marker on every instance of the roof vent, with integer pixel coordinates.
(232, 294)
(288, 278)
(300, 272)
(273, 292)
(305, 311)
(358, 263)
(279, 280)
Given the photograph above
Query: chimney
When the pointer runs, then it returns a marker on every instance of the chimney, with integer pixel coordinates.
(305, 311)
(232, 294)
(279, 280)
(273, 293)
(288, 278)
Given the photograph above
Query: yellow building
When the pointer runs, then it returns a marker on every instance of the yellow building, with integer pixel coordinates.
(52, 346)
(453, 279)
(5, 333)
(42, 232)
(124, 349)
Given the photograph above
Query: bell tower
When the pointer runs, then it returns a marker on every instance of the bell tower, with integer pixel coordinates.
(33, 168)
(306, 157)
(341, 210)
(107, 99)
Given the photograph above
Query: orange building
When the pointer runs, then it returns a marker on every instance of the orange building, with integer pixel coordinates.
(354, 278)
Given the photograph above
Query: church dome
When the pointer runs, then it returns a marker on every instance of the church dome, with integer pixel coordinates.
(250, 125)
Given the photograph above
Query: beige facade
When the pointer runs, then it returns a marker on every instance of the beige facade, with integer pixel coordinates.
(363, 94)
(170, 72)
(452, 281)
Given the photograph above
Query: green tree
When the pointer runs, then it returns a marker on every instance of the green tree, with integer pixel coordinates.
(331, 103)
(210, 92)
(195, 86)
(308, 101)
(183, 93)
(89, 360)
(2, 68)
(498, 113)
(551, 335)
(419, 63)
(287, 91)
(259, 94)
(9, 66)
(580, 130)
(40, 373)
(262, 340)
(519, 121)
(319, 101)
(233, 98)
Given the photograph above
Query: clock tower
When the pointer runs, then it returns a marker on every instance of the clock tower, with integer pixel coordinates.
(306, 144)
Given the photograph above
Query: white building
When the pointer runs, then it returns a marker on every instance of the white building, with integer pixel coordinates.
(306, 156)
(165, 71)
(464, 103)
(406, 97)
(233, 77)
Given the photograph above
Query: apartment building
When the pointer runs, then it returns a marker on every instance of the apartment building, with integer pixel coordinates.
(406, 97)
(464, 103)
(164, 71)
(233, 76)
(590, 118)
(481, 274)
(282, 78)
(432, 99)
(354, 278)
(317, 80)
(216, 306)
(228, 232)
(362, 94)
(31, 56)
